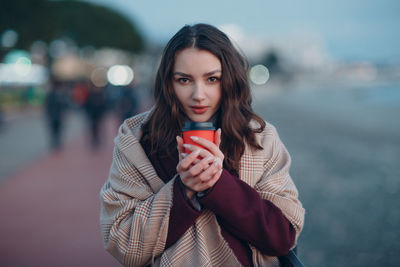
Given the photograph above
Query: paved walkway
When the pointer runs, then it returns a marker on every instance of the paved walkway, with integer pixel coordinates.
(25, 137)
(50, 209)
(345, 148)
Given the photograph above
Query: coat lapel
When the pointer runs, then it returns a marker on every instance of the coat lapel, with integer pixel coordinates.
(128, 142)
(246, 168)
(251, 165)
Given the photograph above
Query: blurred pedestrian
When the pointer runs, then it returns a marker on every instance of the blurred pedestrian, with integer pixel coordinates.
(1, 117)
(127, 104)
(80, 93)
(1, 113)
(230, 203)
(95, 108)
(55, 107)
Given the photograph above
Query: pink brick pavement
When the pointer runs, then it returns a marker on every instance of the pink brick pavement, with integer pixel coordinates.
(49, 210)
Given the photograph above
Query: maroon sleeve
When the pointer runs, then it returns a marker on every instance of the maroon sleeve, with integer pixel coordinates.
(181, 217)
(245, 214)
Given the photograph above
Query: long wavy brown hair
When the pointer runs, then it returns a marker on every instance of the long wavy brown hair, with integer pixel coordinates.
(235, 111)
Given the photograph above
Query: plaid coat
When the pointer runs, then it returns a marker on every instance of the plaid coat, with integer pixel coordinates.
(136, 203)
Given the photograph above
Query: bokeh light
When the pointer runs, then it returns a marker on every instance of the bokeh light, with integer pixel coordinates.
(120, 75)
(259, 74)
(9, 38)
(13, 56)
(23, 66)
(58, 48)
(99, 77)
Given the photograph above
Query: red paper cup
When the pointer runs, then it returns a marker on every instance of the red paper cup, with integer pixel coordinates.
(204, 130)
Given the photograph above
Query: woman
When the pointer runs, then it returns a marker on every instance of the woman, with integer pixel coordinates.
(230, 204)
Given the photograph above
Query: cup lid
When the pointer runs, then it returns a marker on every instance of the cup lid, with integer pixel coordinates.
(189, 126)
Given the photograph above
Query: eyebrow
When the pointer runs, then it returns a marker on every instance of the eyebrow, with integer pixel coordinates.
(204, 75)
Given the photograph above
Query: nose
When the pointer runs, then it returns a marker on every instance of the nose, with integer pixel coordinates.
(198, 92)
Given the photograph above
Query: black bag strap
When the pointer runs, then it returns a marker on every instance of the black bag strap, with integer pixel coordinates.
(290, 259)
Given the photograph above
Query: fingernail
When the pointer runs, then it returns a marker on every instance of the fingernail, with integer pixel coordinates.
(197, 151)
(195, 138)
(186, 146)
(183, 155)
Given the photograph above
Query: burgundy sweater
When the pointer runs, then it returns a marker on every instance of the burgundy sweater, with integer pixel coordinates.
(243, 215)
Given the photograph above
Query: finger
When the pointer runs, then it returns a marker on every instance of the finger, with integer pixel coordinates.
(185, 163)
(203, 152)
(209, 173)
(201, 166)
(209, 183)
(214, 179)
(184, 155)
(191, 182)
(218, 162)
(217, 137)
(179, 142)
(208, 145)
(196, 161)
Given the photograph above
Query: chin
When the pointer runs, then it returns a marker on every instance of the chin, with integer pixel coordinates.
(200, 118)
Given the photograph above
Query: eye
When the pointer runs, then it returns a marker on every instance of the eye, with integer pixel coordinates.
(183, 80)
(213, 79)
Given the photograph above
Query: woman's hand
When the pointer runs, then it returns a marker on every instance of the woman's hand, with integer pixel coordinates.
(200, 174)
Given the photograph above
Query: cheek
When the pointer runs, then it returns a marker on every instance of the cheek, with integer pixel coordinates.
(217, 94)
(181, 94)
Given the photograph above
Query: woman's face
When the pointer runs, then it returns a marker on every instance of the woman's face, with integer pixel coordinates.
(197, 83)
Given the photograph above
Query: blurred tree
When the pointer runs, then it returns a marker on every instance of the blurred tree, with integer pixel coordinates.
(82, 22)
(277, 67)
(272, 61)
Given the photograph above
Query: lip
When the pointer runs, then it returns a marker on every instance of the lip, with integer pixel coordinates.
(199, 109)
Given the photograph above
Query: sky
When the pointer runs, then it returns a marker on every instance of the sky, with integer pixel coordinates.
(349, 30)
